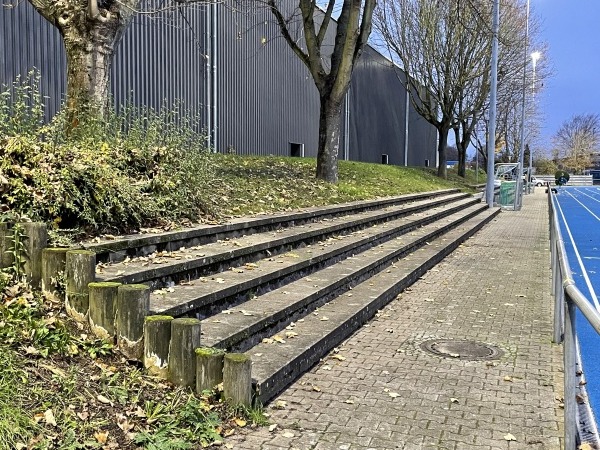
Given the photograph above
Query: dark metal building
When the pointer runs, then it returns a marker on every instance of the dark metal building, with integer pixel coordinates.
(235, 72)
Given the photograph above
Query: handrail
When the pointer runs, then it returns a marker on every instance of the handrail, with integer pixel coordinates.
(566, 298)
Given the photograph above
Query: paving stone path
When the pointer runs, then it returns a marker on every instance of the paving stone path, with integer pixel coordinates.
(381, 390)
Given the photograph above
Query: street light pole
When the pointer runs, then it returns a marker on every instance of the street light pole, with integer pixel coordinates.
(534, 58)
(491, 140)
(519, 184)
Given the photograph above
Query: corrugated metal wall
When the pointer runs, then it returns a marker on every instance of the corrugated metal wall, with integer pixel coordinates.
(265, 97)
(27, 41)
(162, 59)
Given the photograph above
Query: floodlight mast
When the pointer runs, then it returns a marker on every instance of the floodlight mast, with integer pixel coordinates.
(491, 141)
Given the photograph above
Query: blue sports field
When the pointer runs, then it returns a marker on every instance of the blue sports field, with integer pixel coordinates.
(578, 211)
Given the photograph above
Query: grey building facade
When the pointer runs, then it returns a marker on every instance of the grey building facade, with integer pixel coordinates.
(233, 70)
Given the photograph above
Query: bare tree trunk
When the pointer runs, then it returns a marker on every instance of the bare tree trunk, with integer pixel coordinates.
(329, 140)
(442, 143)
(90, 33)
(88, 71)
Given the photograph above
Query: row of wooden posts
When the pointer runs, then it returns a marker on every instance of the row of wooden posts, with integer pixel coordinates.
(170, 348)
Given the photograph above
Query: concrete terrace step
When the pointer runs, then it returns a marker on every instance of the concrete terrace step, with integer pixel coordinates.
(210, 294)
(239, 329)
(169, 267)
(281, 359)
(136, 245)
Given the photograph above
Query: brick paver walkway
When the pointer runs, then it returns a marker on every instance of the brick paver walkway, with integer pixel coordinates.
(382, 391)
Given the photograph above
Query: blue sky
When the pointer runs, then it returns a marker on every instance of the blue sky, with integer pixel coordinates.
(572, 30)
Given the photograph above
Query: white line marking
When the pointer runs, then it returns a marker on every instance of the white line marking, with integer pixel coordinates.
(584, 207)
(578, 256)
(588, 195)
(591, 257)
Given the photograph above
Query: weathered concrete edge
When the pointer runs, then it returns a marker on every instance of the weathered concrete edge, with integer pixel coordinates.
(134, 241)
(197, 263)
(204, 300)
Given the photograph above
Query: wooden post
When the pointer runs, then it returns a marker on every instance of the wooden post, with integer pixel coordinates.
(237, 379)
(6, 258)
(54, 261)
(103, 307)
(80, 271)
(185, 338)
(209, 368)
(133, 304)
(37, 240)
(157, 338)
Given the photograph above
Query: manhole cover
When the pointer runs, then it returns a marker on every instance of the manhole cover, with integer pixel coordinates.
(461, 349)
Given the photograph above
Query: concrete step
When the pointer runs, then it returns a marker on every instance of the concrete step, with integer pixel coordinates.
(167, 268)
(239, 329)
(209, 295)
(136, 245)
(280, 359)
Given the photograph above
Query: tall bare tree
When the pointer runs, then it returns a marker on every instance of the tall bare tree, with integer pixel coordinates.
(512, 85)
(577, 140)
(305, 28)
(443, 47)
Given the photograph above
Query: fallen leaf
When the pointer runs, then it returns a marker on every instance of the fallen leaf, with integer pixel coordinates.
(507, 378)
(324, 318)
(585, 446)
(290, 334)
(339, 357)
(453, 400)
(279, 339)
(240, 422)
(103, 399)
(509, 437)
(393, 394)
(280, 404)
(316, 388)
(272, 427)
(350, 402)
(101, 437)
(288, 434)
(49, 418)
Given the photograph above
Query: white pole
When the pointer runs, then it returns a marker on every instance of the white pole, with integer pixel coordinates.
(491, 142)
(534, 57)
(519, 192)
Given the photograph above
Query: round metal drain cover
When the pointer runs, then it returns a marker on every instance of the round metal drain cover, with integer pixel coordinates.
(461, 349)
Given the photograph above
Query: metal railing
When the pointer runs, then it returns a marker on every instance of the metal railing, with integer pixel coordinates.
(567, 297)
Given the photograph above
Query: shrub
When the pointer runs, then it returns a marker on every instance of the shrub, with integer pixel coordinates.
(131, 168)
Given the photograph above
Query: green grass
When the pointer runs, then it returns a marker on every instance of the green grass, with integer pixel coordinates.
(253, 184)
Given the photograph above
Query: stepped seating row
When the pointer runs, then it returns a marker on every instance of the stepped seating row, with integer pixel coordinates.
(286, 289)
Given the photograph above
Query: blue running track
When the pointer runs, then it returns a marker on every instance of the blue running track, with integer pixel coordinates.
(578, 212)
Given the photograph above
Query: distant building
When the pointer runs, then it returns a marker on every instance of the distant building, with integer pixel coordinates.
(253, 95)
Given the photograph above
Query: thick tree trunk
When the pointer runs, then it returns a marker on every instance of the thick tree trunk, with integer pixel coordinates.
(90, 33)
(329, 140)
(461, 146)
(88, 71)
(442, 144)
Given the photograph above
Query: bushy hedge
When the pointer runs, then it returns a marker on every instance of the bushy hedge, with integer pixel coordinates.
(129, 169)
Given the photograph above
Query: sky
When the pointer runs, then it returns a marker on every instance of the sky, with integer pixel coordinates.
(571, 28)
